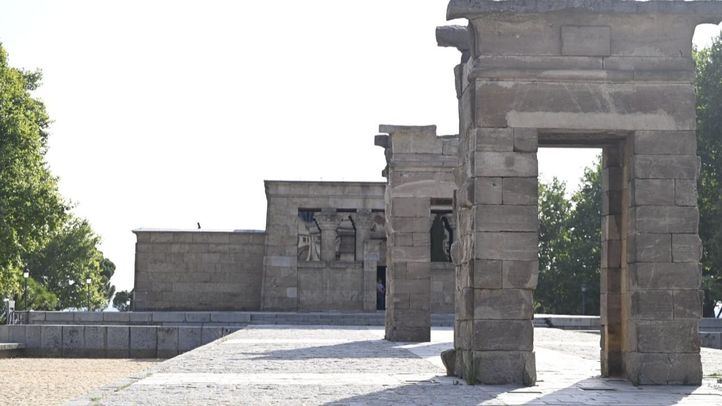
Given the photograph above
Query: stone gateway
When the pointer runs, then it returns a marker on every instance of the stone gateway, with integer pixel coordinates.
(455, 225)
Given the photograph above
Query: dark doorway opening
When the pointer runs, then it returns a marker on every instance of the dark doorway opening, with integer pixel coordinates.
(380, 288)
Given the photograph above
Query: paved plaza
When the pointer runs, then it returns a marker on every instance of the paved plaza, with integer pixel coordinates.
(355, 366)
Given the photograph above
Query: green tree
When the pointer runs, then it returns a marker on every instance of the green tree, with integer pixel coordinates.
(37, 230)
(708, 85)
(123, 300)
(569, 246)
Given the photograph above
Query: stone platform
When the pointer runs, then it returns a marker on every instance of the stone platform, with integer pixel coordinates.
(354, 365)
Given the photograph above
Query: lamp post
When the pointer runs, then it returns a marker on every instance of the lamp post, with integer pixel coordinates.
(584, 299)
(87, 284)
(26, 275)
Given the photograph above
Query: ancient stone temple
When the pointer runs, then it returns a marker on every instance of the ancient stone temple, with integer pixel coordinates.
(610, 74)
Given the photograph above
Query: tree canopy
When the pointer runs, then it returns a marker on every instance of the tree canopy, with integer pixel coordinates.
(708, 85)
(38, 231)
(569, 246)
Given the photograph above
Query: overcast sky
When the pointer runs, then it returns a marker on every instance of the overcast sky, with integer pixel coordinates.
(168, 113)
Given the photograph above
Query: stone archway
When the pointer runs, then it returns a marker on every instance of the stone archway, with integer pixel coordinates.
(613, 73)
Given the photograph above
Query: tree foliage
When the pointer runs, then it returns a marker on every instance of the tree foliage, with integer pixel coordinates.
(569, 246)
(709, 147)
(123, 301)
(37, 230)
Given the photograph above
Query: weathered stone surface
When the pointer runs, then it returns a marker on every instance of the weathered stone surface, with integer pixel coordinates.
(686, 248)
(506, 218)
(167, 342)
(493, 139)
(188, 338)
(118, 341)
(143, 341)
(448, 357)
(654, 192)
(487, 190)
(51, 340)
(666, 219)
(519, 191)
(520, 274)
(503, 304)
(667, 336)
(95, 341)
(685, 192)
(487, 274)
(663, 368)
(688, 304)
(505, 164)
(665, 143)
(665, 275)
(586, 40)
(73, 341)
(665, 166)
(504, 367)
(503, 335)
(509, 246)
(648, 247)
(652, 305)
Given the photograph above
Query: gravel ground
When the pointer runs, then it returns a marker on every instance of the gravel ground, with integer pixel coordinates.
(51, 381)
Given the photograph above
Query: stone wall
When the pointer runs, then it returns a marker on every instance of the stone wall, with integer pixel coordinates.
(290, 284)
(198, 270)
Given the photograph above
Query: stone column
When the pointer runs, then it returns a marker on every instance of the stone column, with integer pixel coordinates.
(362, 221)
(328, 221)
(661, 296)
(610, 305)
(496, 255)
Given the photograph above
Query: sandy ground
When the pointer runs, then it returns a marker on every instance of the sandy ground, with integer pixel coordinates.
(52, 381)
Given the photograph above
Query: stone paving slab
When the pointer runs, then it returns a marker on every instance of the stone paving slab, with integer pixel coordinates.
(335, 365)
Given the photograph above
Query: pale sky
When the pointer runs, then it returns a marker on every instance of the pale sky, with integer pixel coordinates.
(168, 113)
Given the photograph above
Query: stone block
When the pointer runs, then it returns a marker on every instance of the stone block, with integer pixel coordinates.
(666, 219)
(678, 336)
(503, 335)
(493, 139)
(486, 274)
(35, 317)
(95, 341)
(231, 317)
(665, 166)
(168, 317)
(17, 333)
(611, 253)
(685, 192)
(665, 143)
(143, 342)
(521, 246)
(167, 342)
(710, 339)
(665, 275)
(209, 334)
(503, 367)
(663, 368)
(410, 207)
(198, 317)
(650, 248)
(520, 274)
(408, 334)
(688, 304)
(117, 317)
(73, 341)
(586, 40)
(118, 341)
(519, 191)
(686, 248)
(51, 340)
(487, 190)
(57, 317)
(503, 304)
(4, 333)
(505, 164)
(188, 338)
(526, 140)
(506, 218)
(88, 317)
(652, 305)
(653, 192)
